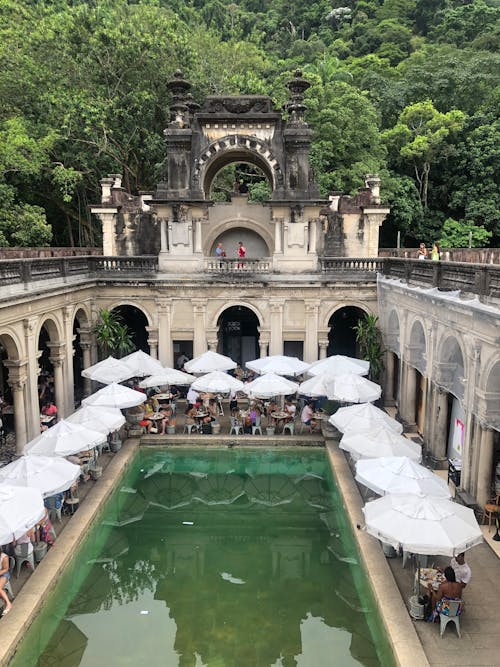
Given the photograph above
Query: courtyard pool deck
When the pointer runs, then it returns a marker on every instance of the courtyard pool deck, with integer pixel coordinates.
(415, 643)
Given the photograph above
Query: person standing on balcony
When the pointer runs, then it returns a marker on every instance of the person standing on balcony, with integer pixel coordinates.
(422, 252)
(241, 253)
(219, 250)
(435, 254)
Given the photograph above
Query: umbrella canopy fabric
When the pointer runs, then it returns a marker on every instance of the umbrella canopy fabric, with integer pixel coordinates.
(108, 371)
(352, 388)
(363, 417)
(141, 364)
(48, 474)
(422, 524)
(103, 419)
(115, 396)
(64, 439)
(217, 382)
(399, 474)
(317, 385)
(165, 377)
(269, 385)
(338, 364)
(381, 441)
(208, 362)
(20, 509)
(278, 364)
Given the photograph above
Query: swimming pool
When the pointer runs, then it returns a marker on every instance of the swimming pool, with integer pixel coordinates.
(215, 557)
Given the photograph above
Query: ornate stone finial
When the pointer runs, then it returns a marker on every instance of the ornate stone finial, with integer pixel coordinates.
(295, 107)
(372, 181)
(179, 89)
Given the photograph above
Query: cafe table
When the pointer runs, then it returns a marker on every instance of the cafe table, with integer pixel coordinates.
(430, 575)
(280, 418)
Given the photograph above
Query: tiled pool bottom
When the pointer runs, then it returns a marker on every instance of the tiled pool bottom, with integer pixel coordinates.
(218, 558)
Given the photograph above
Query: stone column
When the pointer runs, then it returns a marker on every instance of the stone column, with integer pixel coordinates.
(153, 341)
(69, 379)
(165, 352)
(311, 331)
(32, 406)
(313, 236)
(85, 347)
(263, 345)
(278, 225)
(407, 407)
(57, 360)
(212, 343)
(163, 235)
(276, 341)
(199, 327)
(323, 347)
(17, 382)
(389, 378)
(439, 444)
(484, 471)
(197, 236)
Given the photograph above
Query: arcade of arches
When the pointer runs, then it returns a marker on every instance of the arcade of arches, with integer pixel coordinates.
(444, 376)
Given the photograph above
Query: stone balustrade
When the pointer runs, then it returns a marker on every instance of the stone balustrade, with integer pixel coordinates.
(480, 279)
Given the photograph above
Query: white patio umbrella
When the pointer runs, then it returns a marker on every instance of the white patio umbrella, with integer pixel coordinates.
(167, 376)
(338, 364)
(102, 419)
(115, 396)
(20, 509)
(64, 439)
(269, 385)
(278, 364)
(363, 417)
(208, 362)
(399, 474)
(141, 364)
(107, 371)
(352, 388)
(422, 524)
(317, 385)
(48, 474)
(217, 382)
(380, 441)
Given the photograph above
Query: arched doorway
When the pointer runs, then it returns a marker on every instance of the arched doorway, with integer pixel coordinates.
(342, 337)
(136, 322)
(80, 323)
(239, 334)
(255, 246)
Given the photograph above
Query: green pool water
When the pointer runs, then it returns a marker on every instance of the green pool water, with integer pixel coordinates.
(217, 558)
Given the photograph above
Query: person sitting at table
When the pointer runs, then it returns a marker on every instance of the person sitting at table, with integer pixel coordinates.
(193, 396)
(306, 417)
(191, 414)
(450, 589)
(49, 410)
(28, 538)
(462, 570)
(290, 409)
(44, 530)
(149, 409)
(167, 413)
(4, 578)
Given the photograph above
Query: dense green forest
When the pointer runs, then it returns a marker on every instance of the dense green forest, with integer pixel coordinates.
(405, 88)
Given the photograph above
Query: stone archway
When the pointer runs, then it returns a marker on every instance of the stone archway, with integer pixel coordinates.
(12, 383)
(238, 334)
(137, 322)
(81, 354)
(341, 336)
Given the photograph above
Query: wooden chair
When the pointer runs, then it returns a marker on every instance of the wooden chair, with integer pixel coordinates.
(490, 510)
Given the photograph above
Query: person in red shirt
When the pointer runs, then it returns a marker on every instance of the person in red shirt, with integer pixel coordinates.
(241, 253)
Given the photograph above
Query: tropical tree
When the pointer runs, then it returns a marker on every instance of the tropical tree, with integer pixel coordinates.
(420, 136)
(456, 234)
(369, 339)
(112, 335)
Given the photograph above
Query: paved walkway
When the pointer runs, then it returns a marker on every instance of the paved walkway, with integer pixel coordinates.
(480, 622)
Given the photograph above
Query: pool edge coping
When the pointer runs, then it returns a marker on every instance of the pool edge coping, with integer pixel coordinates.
(30, 599)
(403, 638)
(404, 641)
